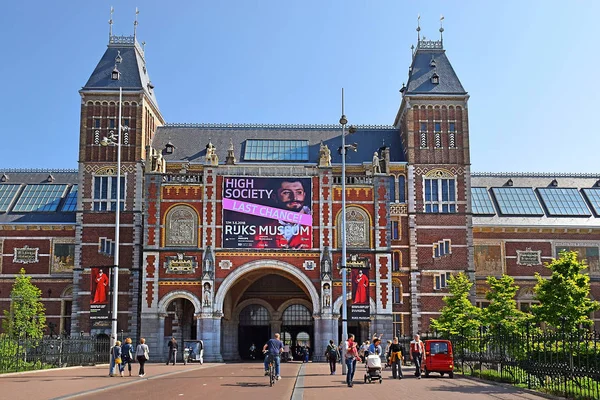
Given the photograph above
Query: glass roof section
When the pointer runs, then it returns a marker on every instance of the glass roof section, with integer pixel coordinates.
(481, 203)
(517, 201)
(593, 196)
(564, 202)
(40, 198)
(7, 195)
(276, 150)
(71, 200)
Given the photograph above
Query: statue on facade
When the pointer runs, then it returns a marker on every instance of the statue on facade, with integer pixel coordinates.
(211, 157)
(376, 166)
(326, 264)
(207, 295)
(326, 295)
(324, 156)
(208, 265)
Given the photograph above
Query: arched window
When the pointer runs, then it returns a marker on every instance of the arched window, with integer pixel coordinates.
(401, 189)
(296, 314)
(255, 315)
(181, 227)
(397, 291)
(358, 228)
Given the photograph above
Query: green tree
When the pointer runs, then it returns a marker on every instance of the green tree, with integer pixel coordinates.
(502, 313)
(459, 315)
(564, 297)
(26, 316)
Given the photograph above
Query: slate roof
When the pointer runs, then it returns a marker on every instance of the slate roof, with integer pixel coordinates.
(26, 177)
(421, 71)
(190, 141)
(535, 181)
(132, 68)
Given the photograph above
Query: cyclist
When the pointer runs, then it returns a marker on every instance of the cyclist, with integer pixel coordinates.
(274, 348)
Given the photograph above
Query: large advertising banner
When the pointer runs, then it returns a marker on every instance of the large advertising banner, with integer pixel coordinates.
(270, 213)
(360, 308)
(100, 285)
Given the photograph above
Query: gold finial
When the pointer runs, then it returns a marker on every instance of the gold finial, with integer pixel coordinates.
(110, 23)
(135, 23)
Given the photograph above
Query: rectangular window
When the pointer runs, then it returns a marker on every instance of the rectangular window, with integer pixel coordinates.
(442, 248)
(441, 280)
(398, 324)
(423, 127)
(401, 189)
(482, 304)
(437, 127)
(275, 150)
(423, 134)
(97, 123)
(396, 261)
(103, 185)
(392, 183)
(126, 122)
(451, 126)
(440, 195)
(111, 123)
(106, 246)
(397, 295)
(395, 230)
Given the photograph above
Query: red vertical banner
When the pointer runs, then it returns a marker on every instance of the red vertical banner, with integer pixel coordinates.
(360, 307)
(99, 298)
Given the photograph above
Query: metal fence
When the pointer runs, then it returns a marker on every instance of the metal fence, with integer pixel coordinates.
(28, 354)
(556, 362)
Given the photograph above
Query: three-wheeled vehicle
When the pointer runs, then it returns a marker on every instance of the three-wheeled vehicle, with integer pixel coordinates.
(438, 357)
(193, 351)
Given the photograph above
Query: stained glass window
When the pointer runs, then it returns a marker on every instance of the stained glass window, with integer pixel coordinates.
(40, 197)
(481, 202)
(71, 200)
(593, 196)
(564, 202)
(517, 201)
(276, 150)
(7, 195)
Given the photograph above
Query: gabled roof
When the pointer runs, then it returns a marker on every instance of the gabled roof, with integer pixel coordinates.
(429, 59)
(133, 73)
(190, 140)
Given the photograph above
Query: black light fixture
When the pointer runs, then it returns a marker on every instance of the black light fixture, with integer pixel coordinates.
(115, 75)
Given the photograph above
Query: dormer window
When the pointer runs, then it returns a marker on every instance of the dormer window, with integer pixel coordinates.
(4, 178)
(169, 147)
(554, 182)
(435, 79)
(115, 75)
(509, 182)
(50, 178)
(432, 63)
(118, 59)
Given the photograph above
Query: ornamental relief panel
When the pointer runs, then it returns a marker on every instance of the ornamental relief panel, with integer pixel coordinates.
(181, 227)
(357, 228)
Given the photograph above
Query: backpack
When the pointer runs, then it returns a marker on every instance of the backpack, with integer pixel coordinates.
(332, 353)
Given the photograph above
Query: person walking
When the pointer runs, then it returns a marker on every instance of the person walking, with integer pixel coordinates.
(386, 352)
(115, 358)
(332, 355)
(417, 352)
(126, 356)
(172, 350)
(142, 354)
(351, 358)
(395, 356)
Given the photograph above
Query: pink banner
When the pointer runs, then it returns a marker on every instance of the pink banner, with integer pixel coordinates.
(267, 212)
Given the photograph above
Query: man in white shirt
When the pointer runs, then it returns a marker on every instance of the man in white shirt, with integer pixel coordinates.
(417, 352)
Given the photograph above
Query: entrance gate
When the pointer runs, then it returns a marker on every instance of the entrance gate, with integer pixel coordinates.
(297, 325)
(254, 328)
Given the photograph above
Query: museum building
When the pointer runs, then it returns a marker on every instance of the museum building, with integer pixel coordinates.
(232, 232)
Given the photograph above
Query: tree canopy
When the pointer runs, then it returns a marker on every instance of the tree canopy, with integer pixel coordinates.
(502, 312)
(26, 316)
(459, 315)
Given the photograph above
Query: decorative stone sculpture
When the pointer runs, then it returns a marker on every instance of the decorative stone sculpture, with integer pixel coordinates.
(211, 155)
(208, 265)
(324, 156)
(326, 295)
(207, 298)
(376, 166)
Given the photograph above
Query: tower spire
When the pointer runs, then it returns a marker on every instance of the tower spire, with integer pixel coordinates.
(135, 23)
(442, 29)
(110, 23)
(418, 29)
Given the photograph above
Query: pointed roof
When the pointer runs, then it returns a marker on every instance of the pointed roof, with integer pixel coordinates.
(132, 69)
(430, 58)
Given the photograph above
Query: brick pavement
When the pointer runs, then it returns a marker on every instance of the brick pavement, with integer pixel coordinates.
(243, 381)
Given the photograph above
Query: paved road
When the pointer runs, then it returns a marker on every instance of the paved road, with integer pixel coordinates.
(243, 381)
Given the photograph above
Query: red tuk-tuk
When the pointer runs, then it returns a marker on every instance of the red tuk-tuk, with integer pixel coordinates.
(439, 357)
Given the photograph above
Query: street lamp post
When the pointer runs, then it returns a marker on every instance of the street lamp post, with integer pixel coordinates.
(343, 151)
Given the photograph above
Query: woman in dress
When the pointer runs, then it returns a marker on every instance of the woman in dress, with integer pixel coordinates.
(143, 354)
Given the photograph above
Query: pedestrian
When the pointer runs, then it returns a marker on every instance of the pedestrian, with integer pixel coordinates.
(351, 359)
(126, 356)
(375, 347)
(387, 351)
(395, 355)
(306, 353)
(142, 354)
(172, 350)
(332, 355)
(252, 351)
(417, 352)
(115, 358)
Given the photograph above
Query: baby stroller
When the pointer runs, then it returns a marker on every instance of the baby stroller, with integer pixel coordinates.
(373, 365)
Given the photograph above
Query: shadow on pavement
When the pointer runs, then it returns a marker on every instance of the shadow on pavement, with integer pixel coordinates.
(246, 384)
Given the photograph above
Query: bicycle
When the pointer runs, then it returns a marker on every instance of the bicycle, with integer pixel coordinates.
(271, 371)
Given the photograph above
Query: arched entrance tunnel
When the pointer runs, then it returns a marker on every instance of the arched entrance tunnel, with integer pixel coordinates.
(261, 303)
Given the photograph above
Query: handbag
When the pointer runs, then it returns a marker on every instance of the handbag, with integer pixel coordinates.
(118, 360)
(146, 355)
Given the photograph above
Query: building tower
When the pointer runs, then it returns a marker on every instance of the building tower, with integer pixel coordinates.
(433, 121)
(123, 66)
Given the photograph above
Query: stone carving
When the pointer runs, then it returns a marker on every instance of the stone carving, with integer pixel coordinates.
(26, 255)
(225, 264)
(230, 159)
(529, 257)
(357, 228)
(309, 265)
(488, 259)
(207, 297)
(182, 227)
(208, 265)
(326, 264)
(376, 166)
(385, 160)
(180, 264)
(211, 155)
(326, 295)
(324, 156)
(155, 162)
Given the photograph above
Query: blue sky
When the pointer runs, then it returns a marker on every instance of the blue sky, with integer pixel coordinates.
(530, 68)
